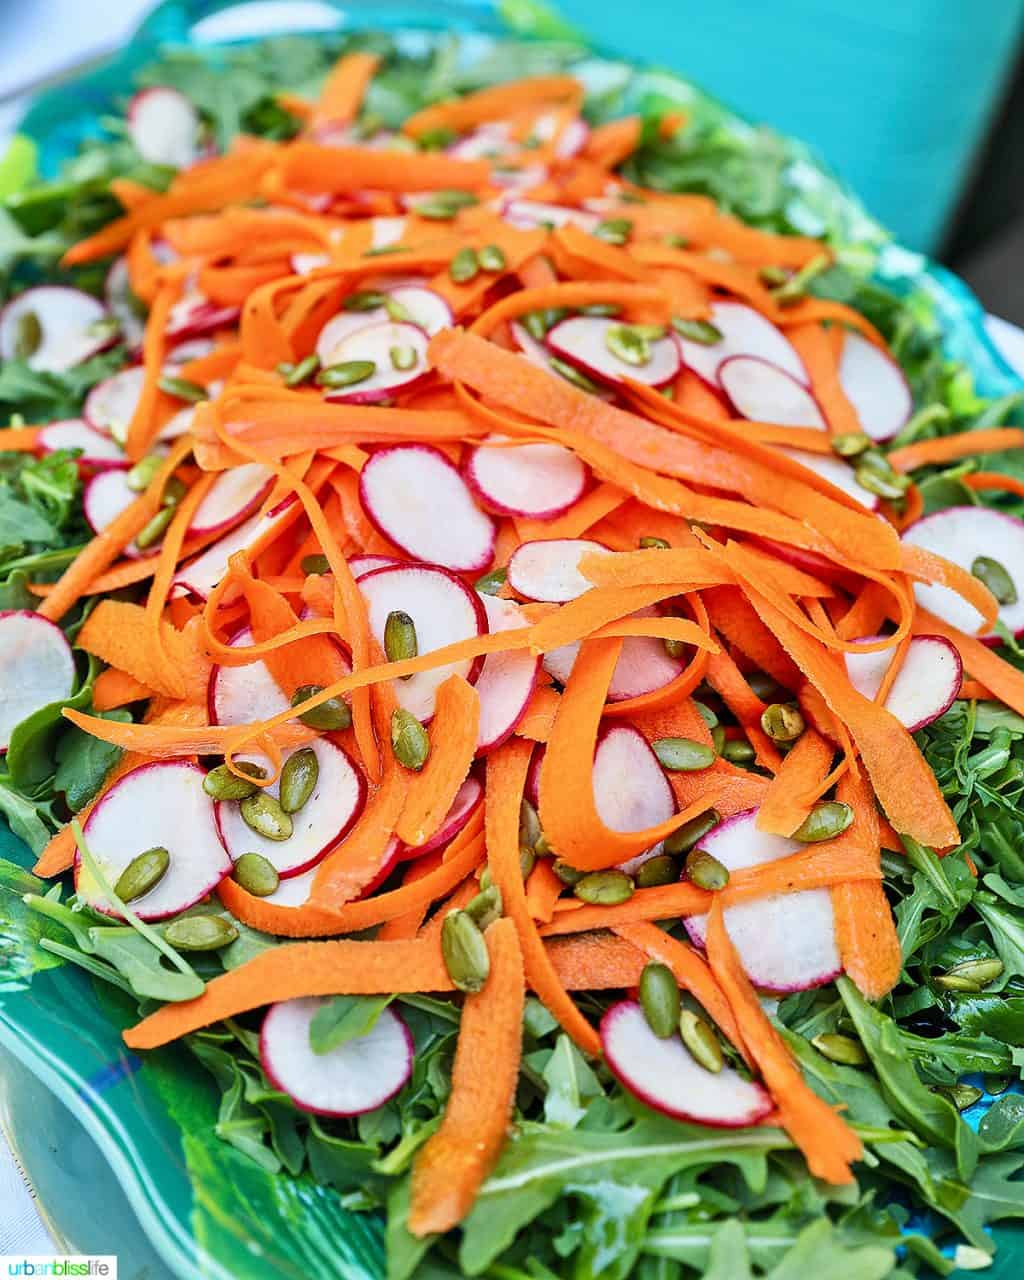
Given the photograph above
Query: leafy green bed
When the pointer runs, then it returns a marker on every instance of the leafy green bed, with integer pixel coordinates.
(593, 1184)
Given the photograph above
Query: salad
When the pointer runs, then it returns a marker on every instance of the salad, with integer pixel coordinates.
(510, 653)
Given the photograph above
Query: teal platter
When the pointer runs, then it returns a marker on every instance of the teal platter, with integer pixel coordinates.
(123, 1152)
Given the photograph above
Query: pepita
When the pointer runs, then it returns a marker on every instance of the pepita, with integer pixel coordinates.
(200, 933)
(701, 331)
(400, 637)
(850, 444)
(315, 564)
(705, 871)
(881, 486)
(684, 838)
(28, 336)
(567, 874)
(257, 875)
(954, 982)
(659, 999)
(302, 372)
(527, 860)
(994, 575)
(182, 388)
(683, 755)
(661, 869)
(604, 888)
(403, 358)
(486, 907)
(221, 784)
(409, 739)
(333, 714)
(347, 374)
(650, 543)
(465, 266)
(737, 751)
(614, 230)
(263, 814)
(529, 825)
(629, 346)
(151, 532)
(698, 1036)
(491, 583)
(961, 1096)
(573, 375)
(142, 475)
(825, 820)
(491, 258)
(364, 300)
(842, 1049)
(782, 722)
(465, 952)
(299, 776)
(982, 971)
(144, 872)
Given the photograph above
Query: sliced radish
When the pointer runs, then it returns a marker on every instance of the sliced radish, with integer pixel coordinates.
(571, 140)
(303, 263)
(529, 215)
(232, 496)
(242, 695)
(507, 680)
(491, 141)
(321, 823)
(961, 535)
(536, 352)
(122, 303)
(36, 668)
(876, 387)
(643, 664)
(98, 451)
(202, 574)
(164, 126)
(61, 327)
(745, 332)
(386, 231)
(549, 570)
(110, 405)
(191, 349)
(538, 480)
(763, 392)
(664, 1075)
(583, 342)
(519, 177)
(425, 308)
(358, 1076)
(194, 314)
(925, 686)
(362, 565)
(418, 500)
(444, 611)
(631, 791)
(532, 788)
(159, 804)
(467, 800)
(180, 424)
(106, 496)
(786, 941)
(835, 472)
(341, 327)
(294, 891)
(398, 352)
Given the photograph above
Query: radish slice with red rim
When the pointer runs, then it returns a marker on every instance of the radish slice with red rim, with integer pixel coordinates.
(519, 177)
(538, 480)
(164, 126)
(194, 314)
(323, 821)
(549, 570)
(532, 788)
(665, 1076)
(201, 575)
(52, 328)
(295, 891)
(191, 349)
(507, 680)
(36, 668)
(232, 496)
(357, 1076)
(398, 353)
(571, 140)
(836, 472)
(925, 685)
(786, 941)
(631, 791)
(423, 307)
(529, 215)
(763, 392)
(489, 141)
(122, 303)
(962, 535)
(536, 352)
(642, 667)
(159, 804)
(745, 332)
(443, 610)
(588, 343)
(418, 500)
(106, 496)
(341, 327)
(111, 404)
(242, 695)
(876, 386)
(467, 800)
(360, 566)
(179, 424)
(98, 451)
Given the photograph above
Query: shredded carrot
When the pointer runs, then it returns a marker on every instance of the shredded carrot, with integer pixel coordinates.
(344, 89)
(801, 780)
(453, 738)
(543, 889)
(965, 444)
(477, 108)
(114, 688)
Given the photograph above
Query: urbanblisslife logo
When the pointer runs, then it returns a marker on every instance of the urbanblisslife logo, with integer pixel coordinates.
(101, 1266)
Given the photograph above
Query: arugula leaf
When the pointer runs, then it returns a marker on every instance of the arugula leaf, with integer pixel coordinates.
(140, 962)
(47, 397)
(345, 1018)
(29, 820)
(83, 761)
(21, 930)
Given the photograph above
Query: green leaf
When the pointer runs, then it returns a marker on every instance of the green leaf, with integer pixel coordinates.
(1006, 927)
(18, 166)
(345, 1018)
(83, 761)
(14, 592)
(21, 929)
(140, 963)
(1002, 1126)
(27, 819)
(571, 1085)
(728, 1256)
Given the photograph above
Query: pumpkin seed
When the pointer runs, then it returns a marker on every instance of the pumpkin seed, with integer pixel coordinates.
(465, 952)
(659, 999)
(315, 564)
(697, 331)
(222, 784)
(992, 574)
(174, 491)
(604, 888)
(264, 815)
(492, 258)
(144, 872)
(629, 346)
(485, 879)
(606, 310)
(396, 311)
(347, 374)
(684, 838)
(706, 871)
(409, 739)
(683, 755)
(650, 543)
(573, 375)
(674, 648)
(364, 300)
(332, 714)
(257, 875)
(698, 1036)
(527, 860)
(661, 869)
(706, 714)
(28, 335)
(299, 776)
(567, 874)
(737, 751)
(486, 907)
(782, 722)
(142, 475)
(614, 230)
(443, 205)
(773, 276)
(464, 266)
(675, 241)
(302, 372)
(982, 971)
(767, 689)
(850, 444)
(400, 637)
(954, 982)
(823, 822)
(151, 532)
(403, 358)
(200, 933)
(182, 388)
(491, 583)
(840, 1048)
(881, 486)
(436, 139)
(529, 825)
(718, 738)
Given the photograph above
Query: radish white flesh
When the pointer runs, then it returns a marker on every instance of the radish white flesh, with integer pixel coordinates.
(536, 352)
(489, 141)
(109, 406)
(294, 891)
(506, 681)
(36, 668)
(763, 392)
(876, 387)
(341, 327)
(98, 451)
(233, 495)
(961, 535)
(467, 798)
(385, 231)
(195, 314)
(745, 332)
(572, 139)
(664, 1075)
(69, 322)
(180, 424)
(583, 342)
(528, 215)
(521, 178)
(925, 684)
(202, 574)
(631, 791)
(105, 497)
(362, 565)
(538, 480)
(241, 695)
(443, 610)
(786, 941)
(160, 804)
(164, 126)
(358, 1076)
(322, 822)
(549, 570)
(643, 664)
(304, 263)
(835, 472)
(121, 304)
(183, 352)
(425, 308)
(420, 502)
(385, 346)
